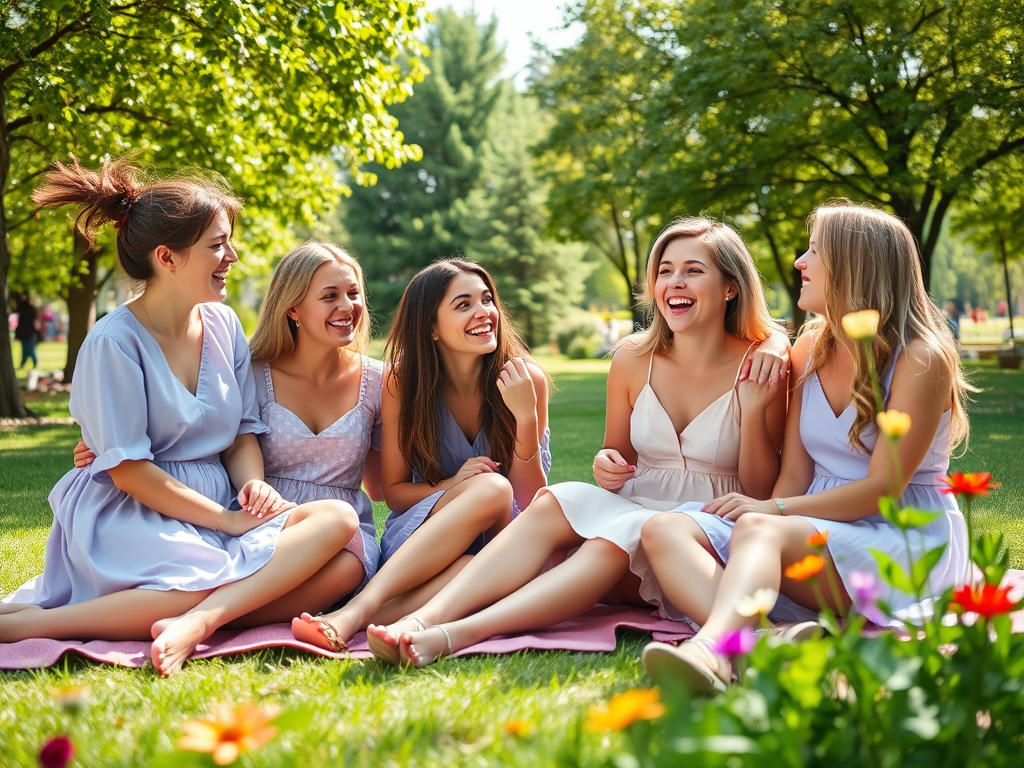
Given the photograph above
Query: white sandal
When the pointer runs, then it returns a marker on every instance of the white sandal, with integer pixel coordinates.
(699, 671)
(446, 651)
(392, 653)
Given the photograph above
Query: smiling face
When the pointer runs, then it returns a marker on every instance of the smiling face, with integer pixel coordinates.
(467, 320)
(690, 290)
(203, 269)
(812, 277)
(330, 309)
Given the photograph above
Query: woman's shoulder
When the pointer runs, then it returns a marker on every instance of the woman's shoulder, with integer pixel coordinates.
(922, 360)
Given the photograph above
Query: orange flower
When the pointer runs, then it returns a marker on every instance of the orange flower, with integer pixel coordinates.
(229, 731)
(820, 539)
(806, 568)
(519, 728)
(970, 484)
(626, 708)
(988, 600)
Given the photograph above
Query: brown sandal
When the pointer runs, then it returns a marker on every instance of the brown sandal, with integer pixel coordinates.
(334, 641)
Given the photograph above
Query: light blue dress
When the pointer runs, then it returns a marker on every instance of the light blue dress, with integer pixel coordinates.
(455, 450)
(131, 407)
(826, 439)
(305, 467)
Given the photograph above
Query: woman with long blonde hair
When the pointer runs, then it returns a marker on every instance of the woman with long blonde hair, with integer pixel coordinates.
(673, 432)
(464, 447)
(834, 467)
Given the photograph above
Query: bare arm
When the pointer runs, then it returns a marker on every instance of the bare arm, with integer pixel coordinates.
(762, 423)
(613, 465)
(526, 475)
(371, 476)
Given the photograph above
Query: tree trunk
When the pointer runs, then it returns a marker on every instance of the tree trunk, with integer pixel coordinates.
(11, 405)
(81, 301)
(1009, 293)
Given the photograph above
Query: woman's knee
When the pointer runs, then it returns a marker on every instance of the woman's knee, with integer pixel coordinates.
(337, 519)
(754, 527)
(656, 531)
(491, 496)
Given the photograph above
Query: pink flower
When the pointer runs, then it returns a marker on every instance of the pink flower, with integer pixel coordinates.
(866, 590)
(736, 643)
(56, 753)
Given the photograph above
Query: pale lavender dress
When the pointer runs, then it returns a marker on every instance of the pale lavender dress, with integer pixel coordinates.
(455, 450)
(131, 407)
(305, 467)
(826, 438)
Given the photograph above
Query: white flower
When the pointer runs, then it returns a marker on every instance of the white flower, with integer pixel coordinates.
(758, 604)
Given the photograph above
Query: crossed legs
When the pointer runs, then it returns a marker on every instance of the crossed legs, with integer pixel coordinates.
(309, 542)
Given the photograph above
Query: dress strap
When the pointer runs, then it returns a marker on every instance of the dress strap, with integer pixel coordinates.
(270, 383)
(650, 367)
(742, 363)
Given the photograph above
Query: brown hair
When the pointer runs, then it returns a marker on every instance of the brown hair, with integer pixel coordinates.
(173, 212)
(275, 331)
(871, 262)
(417, 375)
(746, 316)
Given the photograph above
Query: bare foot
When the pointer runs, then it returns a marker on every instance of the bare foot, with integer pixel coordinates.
(421, 649)
(174, 640)
(13, 623)
(316, 630)
(383, 640)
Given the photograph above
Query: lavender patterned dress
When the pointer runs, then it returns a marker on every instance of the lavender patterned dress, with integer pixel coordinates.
(305, 467)
(455, 450)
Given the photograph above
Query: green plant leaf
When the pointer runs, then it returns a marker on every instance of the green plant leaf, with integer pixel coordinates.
(892, 573)
(925, 564)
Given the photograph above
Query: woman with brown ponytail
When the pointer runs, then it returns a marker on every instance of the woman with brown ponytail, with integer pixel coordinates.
(152, 538)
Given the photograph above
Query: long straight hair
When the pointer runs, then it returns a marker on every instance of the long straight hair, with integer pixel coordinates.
(871, 262)
(746, 315)
(417, 373)
(275, 331)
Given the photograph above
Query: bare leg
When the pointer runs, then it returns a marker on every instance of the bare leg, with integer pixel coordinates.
(315, 533)
(126, 615)
(339, 578)
(556, 595)
(515, 556)
(397, 607)
(480, 504)
(683, 562)
(760, 546)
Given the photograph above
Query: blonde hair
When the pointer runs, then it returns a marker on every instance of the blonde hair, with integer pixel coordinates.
(746, 315)
(871, 262)
(275, 331)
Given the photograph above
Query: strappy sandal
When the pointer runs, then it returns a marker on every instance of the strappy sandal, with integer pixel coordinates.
(391, 653)
(334, 642)
(446, 651)
(694, 665)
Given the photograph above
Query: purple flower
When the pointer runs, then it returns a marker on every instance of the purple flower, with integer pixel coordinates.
(866, 591)
(736, 643)
(56, 753)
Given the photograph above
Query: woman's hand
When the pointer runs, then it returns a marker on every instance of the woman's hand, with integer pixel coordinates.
(755, 397)
(769, 361)
(733, 505)
(611, 471)
(83, 456)
(516, 387)
(239, 522)
(478, 465)
(260, 500)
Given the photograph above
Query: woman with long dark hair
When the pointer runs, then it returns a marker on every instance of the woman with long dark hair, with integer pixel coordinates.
(465, 442)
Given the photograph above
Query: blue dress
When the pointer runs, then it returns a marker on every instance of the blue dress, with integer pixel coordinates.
(131, 407)
(455, 450)
(305, 467)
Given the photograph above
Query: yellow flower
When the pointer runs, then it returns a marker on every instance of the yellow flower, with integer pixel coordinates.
(862, 325)
(230, 730)
(758, 604)
(894, 424)
(520, 728)
(626, 708)
(72, 698)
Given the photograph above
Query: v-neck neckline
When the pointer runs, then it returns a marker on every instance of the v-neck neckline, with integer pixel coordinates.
(336, 422)
(470, 443)
(821, 389)
(694, 420)
(202, 351)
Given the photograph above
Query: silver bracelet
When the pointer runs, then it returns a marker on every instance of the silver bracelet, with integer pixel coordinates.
(781, 504)
(534, 456)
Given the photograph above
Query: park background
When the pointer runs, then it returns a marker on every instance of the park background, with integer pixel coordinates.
(556, 171)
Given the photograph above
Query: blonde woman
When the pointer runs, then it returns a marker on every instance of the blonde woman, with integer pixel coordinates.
(673, 432)
(834, 468)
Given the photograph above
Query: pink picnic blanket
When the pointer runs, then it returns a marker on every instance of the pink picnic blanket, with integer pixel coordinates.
(592, 631)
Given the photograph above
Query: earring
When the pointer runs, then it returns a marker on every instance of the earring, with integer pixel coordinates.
(433, 336)
(296, 321)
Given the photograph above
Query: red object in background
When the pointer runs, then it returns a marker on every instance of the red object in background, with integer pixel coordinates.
(968, 484)
(988, 600)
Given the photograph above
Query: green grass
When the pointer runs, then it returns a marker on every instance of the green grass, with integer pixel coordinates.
(363, 713)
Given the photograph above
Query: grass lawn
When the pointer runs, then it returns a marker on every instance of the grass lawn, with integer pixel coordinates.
(363, 713)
